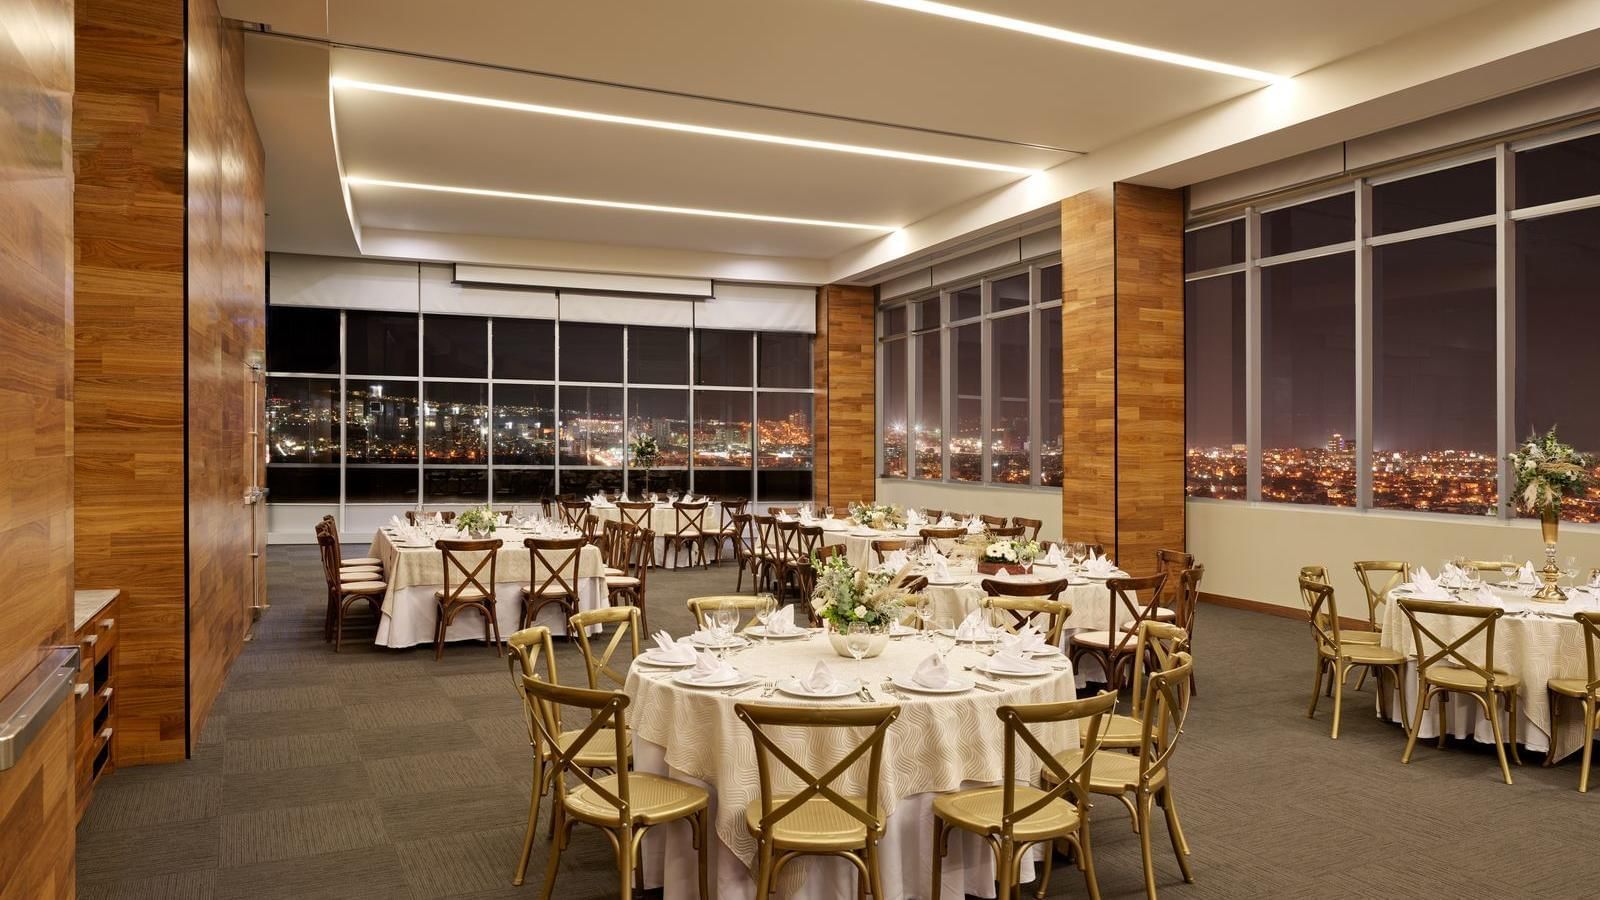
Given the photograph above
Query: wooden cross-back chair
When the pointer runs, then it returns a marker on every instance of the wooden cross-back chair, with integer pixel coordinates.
(1028, 602)
(553, 576)
(728, 529)
(882, 547)
(768, 550)
(1586, 690)
(617, 545)
(1188, 606)
(941, 539)
(993, 521)
(636, 513)
(745, 558)
(1113, 648)
(628, 623)
(1450, 669)
(688, 530)
(1006, 531)
(345, 588)
(1014, 817)
(629, 587)
(573, 513)
(933, 515)
(1337, 656)
(1378, 577)
(787, 562)
(1033, 526)
(470, 592)
(1173, 563)
(783, 510)
(820, 818)
(624, 804)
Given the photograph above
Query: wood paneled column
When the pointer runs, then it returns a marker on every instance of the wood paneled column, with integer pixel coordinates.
(1122, 372)
(845, 416)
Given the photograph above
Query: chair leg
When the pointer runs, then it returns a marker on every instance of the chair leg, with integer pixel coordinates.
(936, 891)
(558, 843)
(1339, 674)
(703, 847)
(625, 863)
(1002, 870)
(1553, 700)
(1416, 726)
(1145, 801)
(1044, 877)
(1316, 688)
(1444, 717)
(1499, 740)
(1400, 693)
(1513, 714)
(533, 822)
(1180, 846)
(874, 874)
(1086, 859)
(438, 636)
(1588, 743)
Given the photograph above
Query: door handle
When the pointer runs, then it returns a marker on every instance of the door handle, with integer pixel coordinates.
(25, 710)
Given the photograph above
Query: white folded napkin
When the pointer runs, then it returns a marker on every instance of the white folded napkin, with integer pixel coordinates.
(946, 522)
(1053, 558)
(894, 562)
(669, 650)
(1525, 575)
(1485, 597)
(913, 517)
(708, 668)
(1008, 660)
(689, 498)
(1025, 641)
(1424, 587)
(821, 680)
(941, 568)
(782, 621)
(1099, 565)
(973, 627)
(974, 526)
(396, 522)
(932, 673)
(785, 517)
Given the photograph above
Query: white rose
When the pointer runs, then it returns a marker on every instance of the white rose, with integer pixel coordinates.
(860, 612)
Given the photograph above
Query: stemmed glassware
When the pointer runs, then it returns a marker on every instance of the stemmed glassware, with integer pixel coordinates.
(724, 622)
(767, 605)
(924, 612)
(827, 512)
(1569, 570)
(1508, 567)
(858, 640)
(1078, 551)
(944, 636)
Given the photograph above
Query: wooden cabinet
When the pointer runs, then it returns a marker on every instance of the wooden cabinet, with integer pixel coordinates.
(95, 694)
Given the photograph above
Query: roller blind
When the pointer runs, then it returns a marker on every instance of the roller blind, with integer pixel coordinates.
(758, 307)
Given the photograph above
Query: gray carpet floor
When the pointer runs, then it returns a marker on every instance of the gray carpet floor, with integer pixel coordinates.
(382, 773)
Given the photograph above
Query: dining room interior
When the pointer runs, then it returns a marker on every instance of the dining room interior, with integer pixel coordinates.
(718, 449)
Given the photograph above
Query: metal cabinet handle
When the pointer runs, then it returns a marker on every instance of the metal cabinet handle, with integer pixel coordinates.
(24, 711)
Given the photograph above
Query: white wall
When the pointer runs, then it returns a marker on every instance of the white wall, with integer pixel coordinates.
(1032, 503)
(1254, 551)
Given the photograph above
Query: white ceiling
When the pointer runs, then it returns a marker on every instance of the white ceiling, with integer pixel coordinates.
(844, 59)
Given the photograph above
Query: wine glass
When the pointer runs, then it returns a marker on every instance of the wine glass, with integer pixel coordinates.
(1508, 566)
(996, 624)
(858, 640)
(725, 621)
(943, 636)
(827, 512)
(767, 605)
(1569, 570)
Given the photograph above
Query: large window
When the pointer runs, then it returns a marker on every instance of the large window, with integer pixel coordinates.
(969, 391)
(1409, 329)
(457, 409)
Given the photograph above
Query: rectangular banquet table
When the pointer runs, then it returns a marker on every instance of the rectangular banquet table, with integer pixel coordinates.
(411, 614)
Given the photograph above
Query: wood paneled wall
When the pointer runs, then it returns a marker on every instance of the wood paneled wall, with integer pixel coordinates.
(1122, 378)
(36, 521)
(846, 416)
(182, 622)
(226, 310)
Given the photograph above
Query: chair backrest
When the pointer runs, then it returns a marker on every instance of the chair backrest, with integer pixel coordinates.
(744, 539)
(933, 535)
(1379, 577)
(882, 547)
(783, 510)
(933, 515)
(1315, 573)
(728, 509)
(1126, 599)
(636, 514)
(1006, 531)
(1158, 643)
(554, 564)
(1323, 612)
(626, 618)
(811, 540)
(592, 529)
(818, 784)
(642, 557)
(530, 647)
(328, 547)
(1173, 563)
(689, 519)
(1071, 783)
(1454, 651)
(573, 512)
(606, 712)
(807, 571)
(333, 528)
(766, 540)
(547, 507)
(469, 586)
(619, 543)
(993, 521)
(1032, 526)
(746, 604)
(445, 516)
(1162, 714)
(788, 534)
(1188, 597)
(1591, 636)
(1027, 602)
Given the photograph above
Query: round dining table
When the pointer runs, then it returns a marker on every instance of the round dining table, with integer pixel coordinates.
(939, 743)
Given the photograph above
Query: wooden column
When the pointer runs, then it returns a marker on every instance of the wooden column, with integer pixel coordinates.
(846, 410)
(1122, 375)
(36, 526)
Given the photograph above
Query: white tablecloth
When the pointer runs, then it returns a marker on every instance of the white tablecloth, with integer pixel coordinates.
(938, 744)
(1535, 648)
(411, 614)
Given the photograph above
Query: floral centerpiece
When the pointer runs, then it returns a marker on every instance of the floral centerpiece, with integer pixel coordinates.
(646, 453)
(882, 516)
(846, 596)
(1008, 557)
(478, 521)
(1548, 472)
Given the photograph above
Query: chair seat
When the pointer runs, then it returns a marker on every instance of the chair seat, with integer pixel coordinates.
(654, 799)
(361, 561)
(553, 590)
(1113, 772)
(621, 581)
(363, 587)
(1371, 654)
(981, 809)
(1458, 679)
(610, 572)
(360, 575)
(1571, 687)
(1120, 731)
(467, 595)
(1360, 637)
(816, 826)
(686, 535)
(1101, 640)
(1161, 614)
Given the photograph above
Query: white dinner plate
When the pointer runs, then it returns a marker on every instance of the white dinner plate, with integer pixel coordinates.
(794, 688)
(728, 644)
(761, 631)
(956, 685)
(996, 673)
(951, 632)
(651, 657)
(1045, 651)
(864, 534)
(414, 546)
(954, 582)
(687, 680)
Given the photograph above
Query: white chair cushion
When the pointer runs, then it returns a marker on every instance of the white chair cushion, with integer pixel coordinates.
(621, 581)
(363, 587)
(1102, 639)
(361, 561)
(470, 593)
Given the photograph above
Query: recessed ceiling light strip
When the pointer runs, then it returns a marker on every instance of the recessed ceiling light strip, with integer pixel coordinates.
(613, 204)
(684, 127)
(1076, 37)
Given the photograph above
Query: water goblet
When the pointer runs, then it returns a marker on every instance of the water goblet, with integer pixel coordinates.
(768, 604)
(943, 636)
(1569, 570)
(1508, 566)
(858, 640)
(725, 622)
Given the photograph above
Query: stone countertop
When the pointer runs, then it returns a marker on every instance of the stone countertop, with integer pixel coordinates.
(87, 604)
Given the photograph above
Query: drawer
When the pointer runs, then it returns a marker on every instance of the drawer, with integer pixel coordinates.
(105, 633)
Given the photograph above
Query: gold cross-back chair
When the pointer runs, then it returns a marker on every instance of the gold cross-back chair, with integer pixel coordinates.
(1452, 668)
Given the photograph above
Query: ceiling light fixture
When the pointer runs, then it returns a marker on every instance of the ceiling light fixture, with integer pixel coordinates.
(684, 127)
(358, 181)
(1083, 40)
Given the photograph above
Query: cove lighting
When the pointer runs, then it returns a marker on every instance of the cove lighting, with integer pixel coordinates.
(684, 127)
(1079, 38)
(357, 181)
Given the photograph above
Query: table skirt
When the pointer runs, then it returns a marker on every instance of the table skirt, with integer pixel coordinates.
(411, 614)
